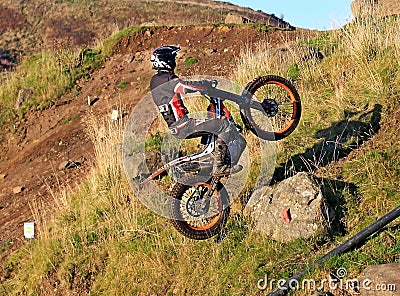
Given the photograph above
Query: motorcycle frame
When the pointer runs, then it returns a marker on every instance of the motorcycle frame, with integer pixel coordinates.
(214, 111)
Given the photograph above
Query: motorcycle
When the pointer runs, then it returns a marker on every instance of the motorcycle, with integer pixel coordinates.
(199, 206)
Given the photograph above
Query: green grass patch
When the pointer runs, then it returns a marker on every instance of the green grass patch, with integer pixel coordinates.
(122, 84)
(108, 45)
(69, 119)
(191, 61)
(5, 246)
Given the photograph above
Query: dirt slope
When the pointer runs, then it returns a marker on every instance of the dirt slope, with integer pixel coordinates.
(30, 157)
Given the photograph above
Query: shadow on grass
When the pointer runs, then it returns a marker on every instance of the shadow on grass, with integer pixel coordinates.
(340, 196)
(336, 142)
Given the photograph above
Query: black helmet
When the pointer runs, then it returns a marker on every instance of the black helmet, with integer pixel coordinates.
(163, 58)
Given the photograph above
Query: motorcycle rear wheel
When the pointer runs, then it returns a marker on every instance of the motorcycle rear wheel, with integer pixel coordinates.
(191, 222)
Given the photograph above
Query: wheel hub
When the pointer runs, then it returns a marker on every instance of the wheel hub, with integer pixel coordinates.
(196, 205)
(270, 107)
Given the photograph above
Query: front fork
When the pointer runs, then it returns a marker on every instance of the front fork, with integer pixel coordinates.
(213, 187)
(204, 202)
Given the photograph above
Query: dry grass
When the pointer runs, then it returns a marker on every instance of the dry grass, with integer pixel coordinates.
(100, 209)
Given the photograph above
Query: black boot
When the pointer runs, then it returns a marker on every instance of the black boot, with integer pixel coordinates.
(222, 163)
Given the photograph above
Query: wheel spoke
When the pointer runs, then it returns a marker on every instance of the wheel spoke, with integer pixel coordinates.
(192, 211)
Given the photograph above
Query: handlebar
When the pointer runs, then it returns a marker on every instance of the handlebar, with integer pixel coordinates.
(241, 100)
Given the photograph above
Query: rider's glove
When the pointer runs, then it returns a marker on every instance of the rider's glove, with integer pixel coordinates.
(210, 83)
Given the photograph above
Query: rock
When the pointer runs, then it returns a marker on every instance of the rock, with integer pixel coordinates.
(18, 189)
(148, 33)
(135, 164)
(7, 60)
(63, 165)
(236, 19)
(270, 20)
(293, 209)
(295, 53)
(68, 164)
(380, 280)
(130, 59)
(24, 95)
(3, 176)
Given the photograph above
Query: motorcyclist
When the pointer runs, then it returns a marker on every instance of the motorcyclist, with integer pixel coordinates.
(167, 89)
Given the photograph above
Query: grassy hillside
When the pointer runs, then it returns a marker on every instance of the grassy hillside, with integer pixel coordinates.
(101, 241)
(51, 74)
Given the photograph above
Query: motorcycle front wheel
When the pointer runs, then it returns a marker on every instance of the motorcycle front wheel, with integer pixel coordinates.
(281, 110)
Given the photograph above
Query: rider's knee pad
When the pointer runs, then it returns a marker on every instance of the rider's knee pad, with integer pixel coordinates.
(236, 147)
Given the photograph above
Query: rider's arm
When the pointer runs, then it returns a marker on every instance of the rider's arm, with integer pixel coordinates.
(184, 87)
